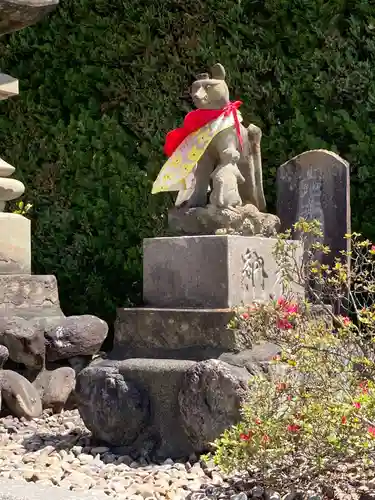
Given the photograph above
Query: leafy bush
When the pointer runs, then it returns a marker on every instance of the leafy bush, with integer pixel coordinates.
(318, 403)
(102, 82)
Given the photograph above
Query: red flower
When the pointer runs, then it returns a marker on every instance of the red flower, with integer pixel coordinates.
(258, 421)
(265, 438)
(245, 316)
(246, 437)
(294, 428)
(364, 386)
(281, 386)
(289, 397)
(372, 248)
(371, 431)
(357, 405)
(344, 420)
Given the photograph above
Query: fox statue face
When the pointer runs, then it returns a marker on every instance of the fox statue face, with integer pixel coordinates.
(211, 92)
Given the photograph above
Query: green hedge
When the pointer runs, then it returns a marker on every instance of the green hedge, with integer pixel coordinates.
(102, 81)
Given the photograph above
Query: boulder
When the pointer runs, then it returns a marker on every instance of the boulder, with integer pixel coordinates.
(4, 355)
(75, 336)
(19, 395)
(55, 386)
(24, 341)
(245, 220)
(210, 399)
(113, 409)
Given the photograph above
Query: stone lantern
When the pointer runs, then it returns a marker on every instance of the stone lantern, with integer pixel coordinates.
(15, 240)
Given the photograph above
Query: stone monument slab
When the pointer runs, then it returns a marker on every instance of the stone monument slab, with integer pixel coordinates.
(208, 271)
(15, 244)
(316, 185)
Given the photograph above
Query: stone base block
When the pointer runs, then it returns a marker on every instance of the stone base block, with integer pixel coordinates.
(15, 244)
(29, 295)
(209, 271)
(244, 221)
(175, 333)
(160, 408)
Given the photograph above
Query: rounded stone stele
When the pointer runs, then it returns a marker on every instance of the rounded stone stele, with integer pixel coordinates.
(115, 410)
(210, 399)
(17, 14)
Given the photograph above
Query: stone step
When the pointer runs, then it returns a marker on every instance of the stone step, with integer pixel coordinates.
(194, 334)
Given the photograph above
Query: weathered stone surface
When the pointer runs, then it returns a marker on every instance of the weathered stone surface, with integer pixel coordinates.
(24, 341)
(196, 400)
(55, 386)
(115, 410)
(78, 363)
(16, 14)
(30, 294)
(209, 271)
(15, 244)
(256, 360)
(195, 334)
(75, 336)
(19, 395)
(244, 220)
(316, 185)
(4, 355)
(210, 400)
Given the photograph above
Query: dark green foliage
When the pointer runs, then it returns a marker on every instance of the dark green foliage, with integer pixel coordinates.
(102, 81)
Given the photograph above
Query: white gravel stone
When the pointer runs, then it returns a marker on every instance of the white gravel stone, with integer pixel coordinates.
(55, 451)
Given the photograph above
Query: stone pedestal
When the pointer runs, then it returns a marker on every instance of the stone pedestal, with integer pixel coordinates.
(175, 363)
(208, 271)
(15, 244)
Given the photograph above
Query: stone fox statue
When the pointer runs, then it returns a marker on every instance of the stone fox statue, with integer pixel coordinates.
(197, 148)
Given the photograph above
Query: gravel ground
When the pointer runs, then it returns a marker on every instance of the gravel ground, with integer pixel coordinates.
(56, 450)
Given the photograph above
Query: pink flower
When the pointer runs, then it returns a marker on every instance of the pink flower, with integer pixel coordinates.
(284, 324)
(371, 431)
(372, 249)
(346, 321)
(281, 302)
(357, 405)
(292, 309)
(245, 316)
(288, 307)
(266, 439)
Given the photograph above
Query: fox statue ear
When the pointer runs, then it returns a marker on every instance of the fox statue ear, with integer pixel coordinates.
(218, 72)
